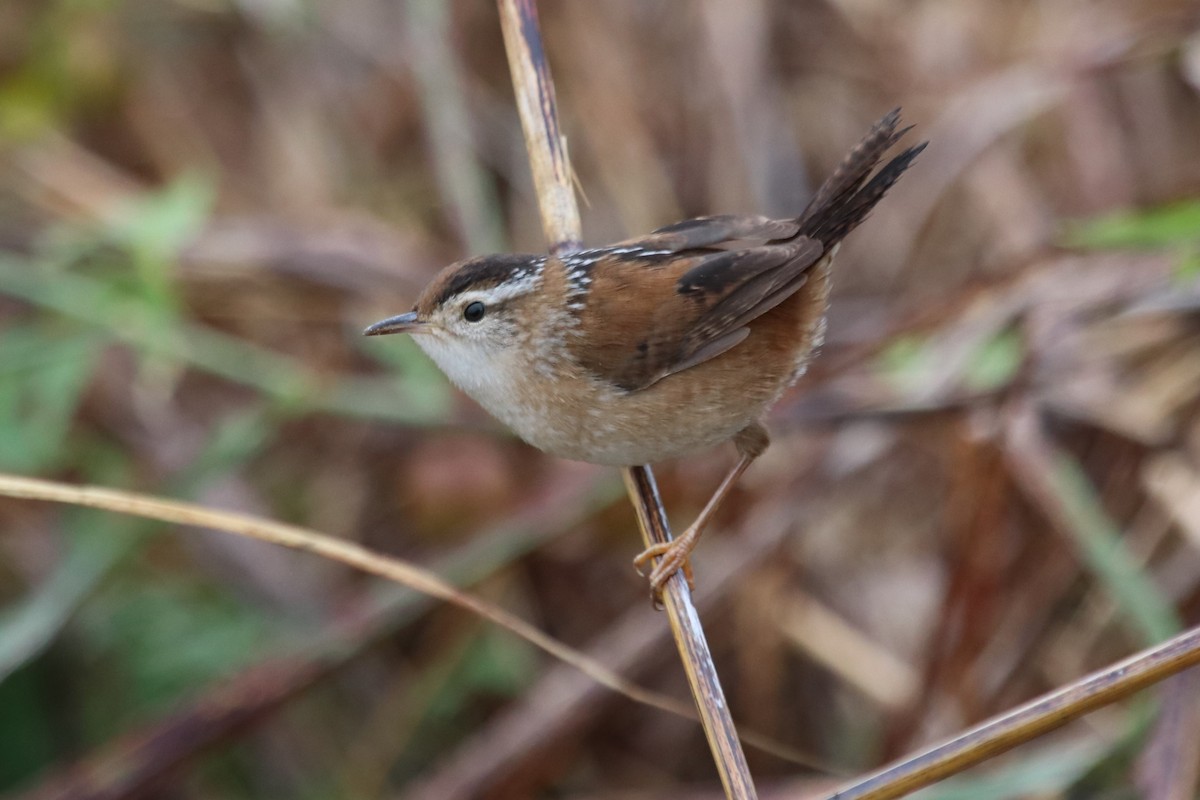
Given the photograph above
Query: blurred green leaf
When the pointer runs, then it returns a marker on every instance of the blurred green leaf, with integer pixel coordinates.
(157, 225)
(153, 229)
(42, 379)
(996, 362)
(26, 108)
(63, 69)
(159, 638)
(98, 541)
(1162, 227)
(28, 627)
(27, 727)
(426, 388)
(499, 663)
(282, 378)
(1044, 773)
(1104, 550)
(1188, 268)
(490, 664)
(910, 363)
(906, 363)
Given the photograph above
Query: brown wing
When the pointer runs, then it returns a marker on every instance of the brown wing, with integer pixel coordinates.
(737, 287)
(692, 306)
(693, 287)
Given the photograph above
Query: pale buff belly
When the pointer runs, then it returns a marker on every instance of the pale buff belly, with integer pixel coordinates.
(680, 414)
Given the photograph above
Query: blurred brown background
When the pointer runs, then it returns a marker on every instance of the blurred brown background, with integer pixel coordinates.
(988, 485)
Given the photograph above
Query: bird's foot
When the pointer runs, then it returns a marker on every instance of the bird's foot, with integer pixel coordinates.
(673, 557)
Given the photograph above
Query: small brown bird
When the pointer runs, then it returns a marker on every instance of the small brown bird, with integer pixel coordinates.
(654, 347)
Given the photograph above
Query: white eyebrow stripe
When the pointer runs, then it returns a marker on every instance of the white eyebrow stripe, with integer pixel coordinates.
(501, 292)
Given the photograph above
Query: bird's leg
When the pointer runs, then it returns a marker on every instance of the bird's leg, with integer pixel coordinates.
(751, 441)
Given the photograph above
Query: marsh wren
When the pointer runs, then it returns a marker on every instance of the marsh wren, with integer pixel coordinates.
(654, 347)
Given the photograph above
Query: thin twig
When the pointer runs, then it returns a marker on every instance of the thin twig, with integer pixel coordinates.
(1036, 461)
(546, 145)
(693, 647)
(1028, 721)
(349, 553)
(563, 700)
(560, 221)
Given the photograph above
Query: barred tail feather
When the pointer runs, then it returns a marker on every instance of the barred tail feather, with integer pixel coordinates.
(843, 201)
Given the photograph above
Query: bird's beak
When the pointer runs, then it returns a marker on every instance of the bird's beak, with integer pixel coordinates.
(403, 323)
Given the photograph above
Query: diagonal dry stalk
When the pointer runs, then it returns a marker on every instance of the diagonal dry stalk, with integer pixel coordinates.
(560, 220)
(1027, 722)
(693, 647)
(544, 142)
(349, 553)
(1034, 457)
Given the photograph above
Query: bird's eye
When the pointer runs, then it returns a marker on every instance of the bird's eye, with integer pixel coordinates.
(473, 311)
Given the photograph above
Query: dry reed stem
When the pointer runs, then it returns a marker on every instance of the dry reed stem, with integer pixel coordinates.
(1028, 721)
(551, 168)
(546, 145)
(693, 647)
(410, 575)
(1032, 457)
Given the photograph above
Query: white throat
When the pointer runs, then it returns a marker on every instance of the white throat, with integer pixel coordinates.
(484, 374)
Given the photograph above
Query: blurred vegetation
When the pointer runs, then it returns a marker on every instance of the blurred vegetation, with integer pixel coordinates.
(986, 487)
